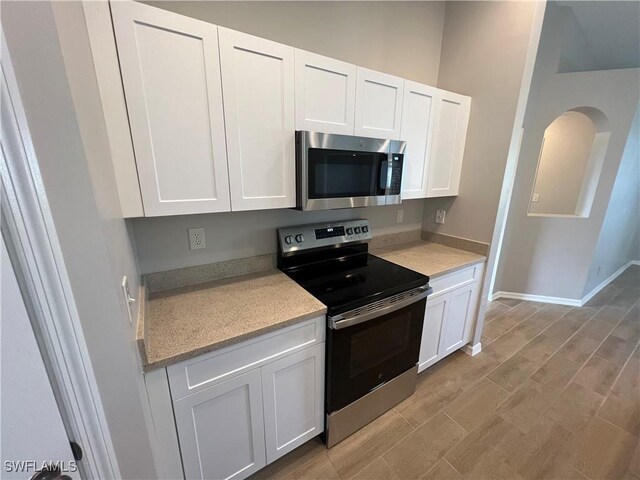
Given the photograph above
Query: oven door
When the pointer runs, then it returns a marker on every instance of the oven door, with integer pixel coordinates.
(364, 356)
(339, 171)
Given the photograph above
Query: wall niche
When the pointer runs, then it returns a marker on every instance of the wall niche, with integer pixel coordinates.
(569, 165)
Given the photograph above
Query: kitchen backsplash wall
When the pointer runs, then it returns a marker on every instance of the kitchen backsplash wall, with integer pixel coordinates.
(162, 243)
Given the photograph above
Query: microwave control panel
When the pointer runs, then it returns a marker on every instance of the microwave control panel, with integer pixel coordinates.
(396, 175)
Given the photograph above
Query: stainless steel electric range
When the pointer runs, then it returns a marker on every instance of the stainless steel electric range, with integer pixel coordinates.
(375, 313)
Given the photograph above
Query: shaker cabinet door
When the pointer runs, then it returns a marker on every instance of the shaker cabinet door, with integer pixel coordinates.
(171, 75)
(258, 84)
(221, 429)
(418, 121)
(293, 396)
(378, 104)
(325, 94)
(460, 312)
(435, 316)
(449, 140)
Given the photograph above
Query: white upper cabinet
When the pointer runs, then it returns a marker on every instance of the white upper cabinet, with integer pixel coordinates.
(171, 74)
(325, 94)
(212, 114)
(418, 121)
(448, 144)
(258, 85)
(378, 104)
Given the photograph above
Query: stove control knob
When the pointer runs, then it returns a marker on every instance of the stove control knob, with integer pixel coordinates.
(288, 239)
(299, 238)
(357, 229)
(365, 229)
(349, 231)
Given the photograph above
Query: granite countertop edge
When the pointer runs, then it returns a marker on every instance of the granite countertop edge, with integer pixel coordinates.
(462, 266)
(167, 362)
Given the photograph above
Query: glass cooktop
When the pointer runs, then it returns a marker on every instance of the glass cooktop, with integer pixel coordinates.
(347, 283)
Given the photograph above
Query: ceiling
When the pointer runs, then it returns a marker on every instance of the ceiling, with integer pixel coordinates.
(611, 33)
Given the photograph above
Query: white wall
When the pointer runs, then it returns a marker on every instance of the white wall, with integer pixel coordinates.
(563, 162)
(484, 49)
(551, 256)
(576, 54)
(31, 427)
(53, 65)
(619, 241)
(400, 38)
(163, 244)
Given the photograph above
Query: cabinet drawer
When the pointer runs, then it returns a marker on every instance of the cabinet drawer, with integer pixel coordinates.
(203, 371)
(453, 280)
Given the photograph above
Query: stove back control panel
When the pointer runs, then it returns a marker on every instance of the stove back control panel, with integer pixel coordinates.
(304, 237)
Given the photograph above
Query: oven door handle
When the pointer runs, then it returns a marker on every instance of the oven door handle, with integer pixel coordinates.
(350, 318)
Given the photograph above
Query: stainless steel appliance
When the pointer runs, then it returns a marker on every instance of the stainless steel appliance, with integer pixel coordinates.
(374, 319)
(342, 171)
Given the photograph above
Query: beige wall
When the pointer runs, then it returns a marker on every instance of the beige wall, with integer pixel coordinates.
(484, 49)
(400, 38)
(552, 256)
(563, 163)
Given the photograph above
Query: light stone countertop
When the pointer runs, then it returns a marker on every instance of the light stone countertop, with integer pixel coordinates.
(189, 321)
(432, 259)
(185, 322)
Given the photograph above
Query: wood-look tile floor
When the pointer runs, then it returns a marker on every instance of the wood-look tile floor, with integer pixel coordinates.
(555, 394)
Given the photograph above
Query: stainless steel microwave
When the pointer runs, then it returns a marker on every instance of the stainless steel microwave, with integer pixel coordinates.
(342, 171)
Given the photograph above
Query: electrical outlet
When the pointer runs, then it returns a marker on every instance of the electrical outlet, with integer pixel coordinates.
(440, 214)
(127, 296)
(196, 238)
(400, 216)
(536, 197)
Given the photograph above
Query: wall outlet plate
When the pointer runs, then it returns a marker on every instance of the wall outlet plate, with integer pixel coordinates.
(400, 216)
(440, 214)
(536, 197)
(196, 238)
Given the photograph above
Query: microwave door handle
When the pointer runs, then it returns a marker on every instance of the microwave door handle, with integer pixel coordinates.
(386, 171)
(390, 164)
(384, 174)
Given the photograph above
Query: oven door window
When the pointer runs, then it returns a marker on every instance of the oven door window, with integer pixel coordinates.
(345, 174)
(367, 355)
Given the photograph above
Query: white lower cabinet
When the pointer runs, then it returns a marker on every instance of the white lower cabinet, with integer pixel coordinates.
(292, 394)
(454, 331)
(221, 429)
(434, 317)
(450, 314)
(238, 416)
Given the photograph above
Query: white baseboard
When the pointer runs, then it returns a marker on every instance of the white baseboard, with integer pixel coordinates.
(472, 350)
(572, 302)
(607, 281)
(537, 298)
